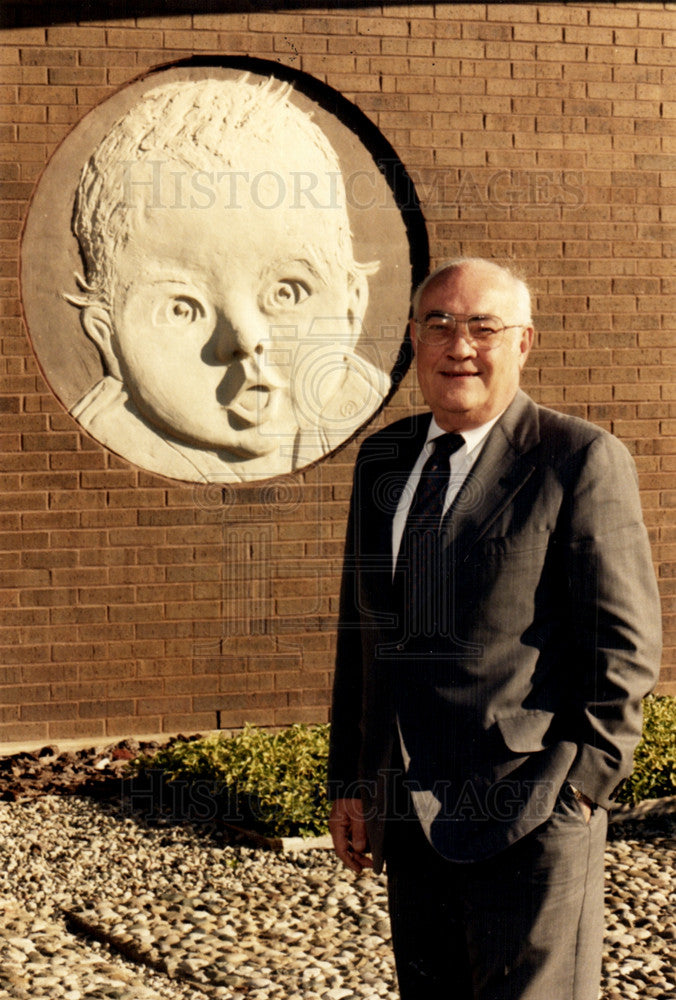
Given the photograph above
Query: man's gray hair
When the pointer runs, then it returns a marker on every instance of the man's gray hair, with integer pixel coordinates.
(459, 263)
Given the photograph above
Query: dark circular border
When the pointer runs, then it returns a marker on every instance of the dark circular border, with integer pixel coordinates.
(76, 355)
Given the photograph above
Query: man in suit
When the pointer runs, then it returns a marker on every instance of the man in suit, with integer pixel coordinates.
(499, 627)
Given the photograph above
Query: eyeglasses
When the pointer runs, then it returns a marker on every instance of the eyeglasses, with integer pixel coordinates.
(438, 328)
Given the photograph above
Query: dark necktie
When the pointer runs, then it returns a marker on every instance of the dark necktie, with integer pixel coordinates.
(419, 560)
(428, 500)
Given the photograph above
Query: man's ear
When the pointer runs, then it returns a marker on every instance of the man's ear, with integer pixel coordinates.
(358, 300)
(525, 344)
(98, 326)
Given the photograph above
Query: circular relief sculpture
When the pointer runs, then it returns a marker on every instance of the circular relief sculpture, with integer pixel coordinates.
(216, 270)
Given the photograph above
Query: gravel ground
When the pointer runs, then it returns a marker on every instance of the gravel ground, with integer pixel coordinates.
(94, 903)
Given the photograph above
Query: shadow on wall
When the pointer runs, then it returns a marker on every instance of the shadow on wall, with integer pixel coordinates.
(18, 14)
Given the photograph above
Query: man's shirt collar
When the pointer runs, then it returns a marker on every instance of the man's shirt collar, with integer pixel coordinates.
(473, 437)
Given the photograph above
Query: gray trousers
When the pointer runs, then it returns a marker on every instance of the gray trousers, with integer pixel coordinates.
(526, 924)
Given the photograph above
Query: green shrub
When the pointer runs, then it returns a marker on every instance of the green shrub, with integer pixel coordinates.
(275, 781)
(654, 774)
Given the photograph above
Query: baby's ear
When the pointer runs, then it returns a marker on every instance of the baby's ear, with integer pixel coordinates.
(358, 300)
(99, 328)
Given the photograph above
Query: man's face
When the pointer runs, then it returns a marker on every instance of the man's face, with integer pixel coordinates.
(211, 310)
(465, 386)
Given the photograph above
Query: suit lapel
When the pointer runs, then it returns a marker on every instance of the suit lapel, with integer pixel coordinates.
(501, 470)
(390, 467)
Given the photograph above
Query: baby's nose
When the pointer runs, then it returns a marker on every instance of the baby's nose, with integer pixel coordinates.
(241, 332)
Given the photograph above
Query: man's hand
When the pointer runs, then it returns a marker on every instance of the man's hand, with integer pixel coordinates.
(586, 804)
(348, 830)
(586, 809)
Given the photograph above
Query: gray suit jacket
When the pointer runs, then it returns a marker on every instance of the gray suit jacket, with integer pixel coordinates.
(548, 640)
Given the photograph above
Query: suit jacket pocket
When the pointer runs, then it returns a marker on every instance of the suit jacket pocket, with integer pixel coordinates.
(527, 542)
(528, 730)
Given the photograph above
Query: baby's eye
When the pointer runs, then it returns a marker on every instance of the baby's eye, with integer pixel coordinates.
(284, 294)
(180, 310)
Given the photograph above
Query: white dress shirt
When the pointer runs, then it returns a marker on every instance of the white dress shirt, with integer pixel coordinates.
(461, 463)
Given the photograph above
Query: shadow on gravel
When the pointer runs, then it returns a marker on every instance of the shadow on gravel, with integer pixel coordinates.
(151, 800)
(644, 828)
(148, 797)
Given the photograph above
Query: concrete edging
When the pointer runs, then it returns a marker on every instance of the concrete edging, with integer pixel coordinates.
(279, 843)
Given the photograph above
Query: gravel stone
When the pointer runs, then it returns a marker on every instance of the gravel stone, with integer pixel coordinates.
(112, 906)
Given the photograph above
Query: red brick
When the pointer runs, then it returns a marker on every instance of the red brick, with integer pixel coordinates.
(20, 732)
(113, 708)
(153, 564)
(50, 712)
(72, 729)
(133, 726)
(192, 723)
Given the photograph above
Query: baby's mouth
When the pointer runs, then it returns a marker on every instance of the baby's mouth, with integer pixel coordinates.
(250, 403)
(253, 398)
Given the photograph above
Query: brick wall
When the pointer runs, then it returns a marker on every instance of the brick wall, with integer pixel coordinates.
(542, 133)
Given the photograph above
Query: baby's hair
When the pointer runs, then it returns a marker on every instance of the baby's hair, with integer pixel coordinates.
(199, 124)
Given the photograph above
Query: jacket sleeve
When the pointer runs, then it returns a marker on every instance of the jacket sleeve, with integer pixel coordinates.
(346, 711)
(615, 616)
